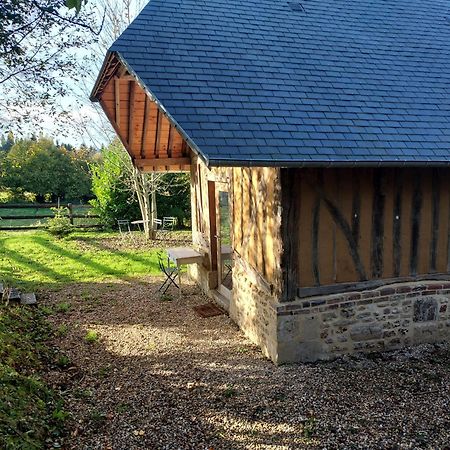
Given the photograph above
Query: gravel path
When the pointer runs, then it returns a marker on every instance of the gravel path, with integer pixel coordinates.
(160, 377)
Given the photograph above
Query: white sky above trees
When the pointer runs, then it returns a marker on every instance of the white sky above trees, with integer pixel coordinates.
(82, 122)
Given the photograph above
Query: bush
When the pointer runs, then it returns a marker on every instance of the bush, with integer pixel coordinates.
(60, 225)
(7, 195)
(114, 200)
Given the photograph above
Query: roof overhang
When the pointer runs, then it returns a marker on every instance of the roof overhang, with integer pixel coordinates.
(154, 140)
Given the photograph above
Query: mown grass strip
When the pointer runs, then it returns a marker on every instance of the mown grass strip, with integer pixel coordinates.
(35, 259)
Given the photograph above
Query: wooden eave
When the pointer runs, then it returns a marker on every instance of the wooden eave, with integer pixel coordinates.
(148, 134)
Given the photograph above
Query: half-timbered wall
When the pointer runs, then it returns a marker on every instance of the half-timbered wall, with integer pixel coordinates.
(203, 219)
(256, 243)
(255, 215)
(352, 228)
(257, 221)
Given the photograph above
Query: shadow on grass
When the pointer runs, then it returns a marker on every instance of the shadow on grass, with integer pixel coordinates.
(33, 266)
(158, 244)
(41, 264)
(99, 268)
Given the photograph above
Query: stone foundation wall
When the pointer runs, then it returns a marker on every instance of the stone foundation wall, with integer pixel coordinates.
(206, 279)
(253, 308)
(320, 328)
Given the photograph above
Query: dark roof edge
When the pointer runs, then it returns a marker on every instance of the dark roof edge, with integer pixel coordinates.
(356, 163)
(175, 124)
(93, 96)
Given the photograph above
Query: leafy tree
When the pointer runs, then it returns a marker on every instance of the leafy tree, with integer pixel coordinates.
(7, 142)
(173, 198)
(113, 198)
(122, 192)
(79, 181)
(39, 41)
(75, 4)
(91, 121)
(41, 167)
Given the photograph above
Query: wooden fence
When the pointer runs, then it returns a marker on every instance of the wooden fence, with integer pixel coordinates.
(32, 218)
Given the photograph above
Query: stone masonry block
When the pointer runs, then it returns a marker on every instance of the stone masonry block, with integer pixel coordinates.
(366, 332)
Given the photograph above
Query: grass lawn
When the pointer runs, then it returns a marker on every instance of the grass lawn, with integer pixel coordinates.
(31, 412)
(31, 259)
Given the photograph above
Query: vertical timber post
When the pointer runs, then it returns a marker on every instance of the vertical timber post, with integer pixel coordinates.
(290, 216)
(70, 208)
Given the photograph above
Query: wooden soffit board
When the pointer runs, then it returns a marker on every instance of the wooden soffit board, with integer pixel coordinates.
(150, 138)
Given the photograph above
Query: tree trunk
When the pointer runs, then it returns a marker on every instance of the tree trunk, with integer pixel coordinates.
(145, 198)
(153, 209)
(146, 214)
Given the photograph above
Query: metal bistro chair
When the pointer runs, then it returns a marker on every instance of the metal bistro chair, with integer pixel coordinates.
(171, 273)
(228, 265)
(168, 223)
(164, 226)
(125, 224)
(157, 225)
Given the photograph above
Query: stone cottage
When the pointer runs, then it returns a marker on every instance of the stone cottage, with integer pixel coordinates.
(317, 135)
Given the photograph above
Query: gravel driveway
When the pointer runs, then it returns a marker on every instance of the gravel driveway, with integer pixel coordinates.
(160, 377)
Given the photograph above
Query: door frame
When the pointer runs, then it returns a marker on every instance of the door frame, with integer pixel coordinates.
(214, 188)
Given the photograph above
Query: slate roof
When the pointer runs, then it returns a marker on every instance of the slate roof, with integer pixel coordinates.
(272, 82)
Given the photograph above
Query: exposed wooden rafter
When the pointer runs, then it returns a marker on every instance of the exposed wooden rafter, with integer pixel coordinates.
(114, 125)
(158, 134)
(169, 141)
(184, 148)
(149, 135)
(146, 126)
(131, 113)
(110, 67)
(117, 99)
(121, 72)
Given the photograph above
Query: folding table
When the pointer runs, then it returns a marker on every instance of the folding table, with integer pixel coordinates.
(182, 256)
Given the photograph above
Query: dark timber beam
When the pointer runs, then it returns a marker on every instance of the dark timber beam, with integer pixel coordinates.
(157, 133)
(397, 224)
(290, 217)
(436, 201)
(131, 114)
(117, 100)
(162, 162)
(340, 288)
(184, 148)
(145, 126)
(416, 211)
(170, 141)
(378, 213)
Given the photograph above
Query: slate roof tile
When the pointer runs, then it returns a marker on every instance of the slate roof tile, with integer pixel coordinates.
(342, 81)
